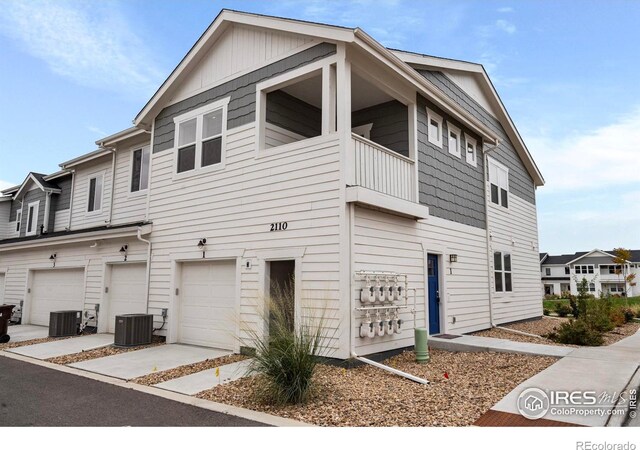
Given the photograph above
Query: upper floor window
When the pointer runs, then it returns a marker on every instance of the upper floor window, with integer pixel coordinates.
(434, 128)
(567, 270)
(453, 133)
(472, 151)
(140, 169)
(584, 269)
(547, 272)
(200, 137)
(502, 271)
(615, 269)
(32, 218)
(499, 180)
(592, 287)
(94, 203)
(18, 220)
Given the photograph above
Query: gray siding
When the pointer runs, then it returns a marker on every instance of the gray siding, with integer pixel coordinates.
(293, 114)
(15, 207)
(452, 188)
(32, 196)
(520, 182)
(595, 260)
(60, 201)
(390, 125)
(242, 90)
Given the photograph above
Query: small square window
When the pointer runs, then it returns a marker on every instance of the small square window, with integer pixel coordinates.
(453, 143)
(434, 128)
(472, 150)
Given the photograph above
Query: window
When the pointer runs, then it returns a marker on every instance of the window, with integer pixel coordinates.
(140, 169)
(547, 272)
(32, 218)
(18, 220)
(454, 139)
(615, 269)
(434, 128)
(363, 130)
(94, 203)
(502, 271)
(199, 137)
(592, 287)
(584, 269)
(567, 270)
(499, 180)
(472, 151)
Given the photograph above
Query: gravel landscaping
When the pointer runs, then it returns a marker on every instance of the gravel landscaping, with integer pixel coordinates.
(101, 352)
(170, 374)
(463, 386)
(546, 325)
(31, 342)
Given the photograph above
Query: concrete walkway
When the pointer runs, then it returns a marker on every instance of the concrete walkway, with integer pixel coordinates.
(467, 343)
(138, 363)
(604, 370)
(63, 347)
(21, 333)
(207, 379)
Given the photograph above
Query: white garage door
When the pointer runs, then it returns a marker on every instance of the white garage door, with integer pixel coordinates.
(126, 292)
(55, 290)
(208, 304)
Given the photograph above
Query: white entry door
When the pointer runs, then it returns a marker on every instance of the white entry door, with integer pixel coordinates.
(55, 290)
(126, 292)
(208, 304)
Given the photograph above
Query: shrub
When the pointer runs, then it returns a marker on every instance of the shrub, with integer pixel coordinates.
(546, 311)
(287, 358)
(575, 311)
(563, 310)
(598, 314)
(577, 332)
(617, 318)
(628, 314)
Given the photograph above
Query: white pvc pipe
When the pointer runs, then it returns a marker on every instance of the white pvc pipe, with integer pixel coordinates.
(390, 369)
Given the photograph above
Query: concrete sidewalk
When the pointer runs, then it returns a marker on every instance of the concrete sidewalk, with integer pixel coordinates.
(21, 333)
(604, 370)
(207, 379)
(467, 343)
(63, 347)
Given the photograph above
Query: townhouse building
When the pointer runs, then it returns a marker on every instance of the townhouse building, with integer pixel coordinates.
(562, 273)
(390, 186)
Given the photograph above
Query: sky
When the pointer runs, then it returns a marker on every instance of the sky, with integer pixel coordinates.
(73, 71)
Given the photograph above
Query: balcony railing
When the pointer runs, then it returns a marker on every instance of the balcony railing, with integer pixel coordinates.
(383, 170)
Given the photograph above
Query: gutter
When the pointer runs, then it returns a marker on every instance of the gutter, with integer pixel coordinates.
(113, 182)
(485, 153)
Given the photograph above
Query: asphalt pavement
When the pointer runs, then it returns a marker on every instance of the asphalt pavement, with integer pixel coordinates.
(32, 395)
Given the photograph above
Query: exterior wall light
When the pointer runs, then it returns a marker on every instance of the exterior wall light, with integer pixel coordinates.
(453, 258)
(201, 244)
(52, 258)
(123, 251)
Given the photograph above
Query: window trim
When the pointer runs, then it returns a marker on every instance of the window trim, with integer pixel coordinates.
(502, 271)
(474, 161)
(437, 118)
(199, 114)
(131, 158)
(584, 266)
(18, 220)
(547, 271)
(90, 177)
(457, 152)
(495, 165)
(36, 211)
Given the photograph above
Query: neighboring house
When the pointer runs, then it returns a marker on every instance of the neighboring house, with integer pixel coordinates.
(560, 274)
(277, 149)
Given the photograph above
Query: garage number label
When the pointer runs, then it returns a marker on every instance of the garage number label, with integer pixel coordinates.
(279, 226)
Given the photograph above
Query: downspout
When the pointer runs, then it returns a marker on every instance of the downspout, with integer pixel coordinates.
(47, 211)
(140, 238)
(113, 182)
(73, 189)
(485, 153)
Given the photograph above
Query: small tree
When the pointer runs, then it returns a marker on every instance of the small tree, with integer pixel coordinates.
(621, 258)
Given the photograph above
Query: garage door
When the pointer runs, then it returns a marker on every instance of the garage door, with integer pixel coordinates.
(208, 304)
(55, 290)
(126, 291)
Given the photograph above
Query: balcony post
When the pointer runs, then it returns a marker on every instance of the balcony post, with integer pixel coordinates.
(343, 88)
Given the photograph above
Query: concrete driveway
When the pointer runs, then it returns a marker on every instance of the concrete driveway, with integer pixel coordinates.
(21, 333)
(63, 347)
(138, 363)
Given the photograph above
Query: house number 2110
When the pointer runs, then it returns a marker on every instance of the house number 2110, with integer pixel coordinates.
(279, 226)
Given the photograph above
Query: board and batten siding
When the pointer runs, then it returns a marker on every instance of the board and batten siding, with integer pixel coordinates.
(80, 218)
(515, 230)
(239, 49)
(128, 206)
(233, 209)
(386, 242)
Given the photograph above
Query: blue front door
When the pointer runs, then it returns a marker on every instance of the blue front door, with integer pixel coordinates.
(434, 294)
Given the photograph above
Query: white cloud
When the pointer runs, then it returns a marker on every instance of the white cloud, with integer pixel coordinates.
(6, 184)
(505, 26)
(88, 42)
(506, 9)
(97, 131)
(601, 159)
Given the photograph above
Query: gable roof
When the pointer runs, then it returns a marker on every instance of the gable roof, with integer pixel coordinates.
(328, 33)
(595, 250)
(560, 260)
(39, 180)
(572, 258)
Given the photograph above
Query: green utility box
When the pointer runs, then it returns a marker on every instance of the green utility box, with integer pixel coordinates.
(421, 345)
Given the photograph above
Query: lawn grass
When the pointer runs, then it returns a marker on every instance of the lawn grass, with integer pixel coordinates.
(551, 304)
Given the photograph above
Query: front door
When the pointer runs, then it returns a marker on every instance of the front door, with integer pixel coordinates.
(434, 294)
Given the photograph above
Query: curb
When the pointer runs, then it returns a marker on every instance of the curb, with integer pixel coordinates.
(244, 413)
(620, 420)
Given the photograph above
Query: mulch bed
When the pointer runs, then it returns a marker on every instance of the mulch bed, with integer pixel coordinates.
(166, 375)
(462, 387)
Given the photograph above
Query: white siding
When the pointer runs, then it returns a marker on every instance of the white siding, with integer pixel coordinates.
(238, 50)
(233, 210)
(6, 227)
(80, 218)
(127, 206)
(386, 242)
(515, 230)
(61, 220)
